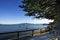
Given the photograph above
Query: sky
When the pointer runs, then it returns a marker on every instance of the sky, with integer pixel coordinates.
(10, 13)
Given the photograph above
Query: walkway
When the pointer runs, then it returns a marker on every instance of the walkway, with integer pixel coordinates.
(41, 37)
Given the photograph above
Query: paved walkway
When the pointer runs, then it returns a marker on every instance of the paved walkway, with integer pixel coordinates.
(41, 37)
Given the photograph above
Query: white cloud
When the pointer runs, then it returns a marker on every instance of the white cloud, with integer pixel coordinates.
(35, 21)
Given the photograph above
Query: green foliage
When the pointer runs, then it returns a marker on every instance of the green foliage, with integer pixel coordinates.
(40, 8)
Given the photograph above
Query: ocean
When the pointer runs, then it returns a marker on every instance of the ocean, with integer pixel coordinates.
(18, 27)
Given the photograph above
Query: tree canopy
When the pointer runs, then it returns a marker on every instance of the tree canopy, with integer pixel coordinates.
(40, 8)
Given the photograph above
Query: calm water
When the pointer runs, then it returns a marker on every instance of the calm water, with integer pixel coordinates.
(19, 27)
(10, 28)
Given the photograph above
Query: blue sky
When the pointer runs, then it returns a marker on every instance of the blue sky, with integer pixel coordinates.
(10, 13)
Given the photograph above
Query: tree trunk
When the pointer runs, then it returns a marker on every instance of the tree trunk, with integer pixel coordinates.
(58, 20)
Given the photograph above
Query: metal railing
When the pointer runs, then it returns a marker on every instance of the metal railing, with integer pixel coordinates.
(18, 32)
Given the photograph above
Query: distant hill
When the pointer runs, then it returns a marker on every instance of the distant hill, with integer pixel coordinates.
(24, 25)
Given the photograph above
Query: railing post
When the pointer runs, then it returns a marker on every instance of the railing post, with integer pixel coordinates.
(32, 32)
(40, 31)
(17, 35)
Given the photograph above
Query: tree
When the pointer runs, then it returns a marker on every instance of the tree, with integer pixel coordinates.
(40, 8)
(49, 9)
